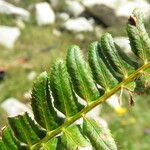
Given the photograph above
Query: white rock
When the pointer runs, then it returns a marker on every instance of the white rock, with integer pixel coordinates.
(101, 122)
(13, 107)
(78, 25)
(95, 112)
(127, 8)
(74, 8)
(20, 24)
(31, 76)
(124, 43)
(79, 36)
(7, 8)
(44, 14)
(56, 32)
(98, 31)
(63, 16)
(8, 36)
(113, 101)
(27, 95)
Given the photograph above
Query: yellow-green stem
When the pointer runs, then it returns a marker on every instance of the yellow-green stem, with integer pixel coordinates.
(85, 110)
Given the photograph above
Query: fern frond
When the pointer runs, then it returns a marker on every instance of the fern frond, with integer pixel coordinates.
(41, 103)
(111, 54)
(81, 76)
(65, 98)
(73, 138)
(100, 137)
(106, 72)
(100, 72)
(139, 38)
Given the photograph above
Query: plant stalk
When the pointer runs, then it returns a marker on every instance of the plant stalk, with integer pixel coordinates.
(89, 107)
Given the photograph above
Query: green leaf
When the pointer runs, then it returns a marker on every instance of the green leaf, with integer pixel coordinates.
(53, 144)
(99, 136)
(130, 86)
(127, 58)
(100, 72)
(73, 139)
(111, 53)
(139, 39)
(64, 96)
(9, 141)
(41, 103)
(2, 145)
(26, 134)
(143, 82)
(146, 79)
(81, 75)
(25, 129)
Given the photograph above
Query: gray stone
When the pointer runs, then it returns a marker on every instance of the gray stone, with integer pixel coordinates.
(110, 3)
(114, 12)
(104, 14)
(102, 10)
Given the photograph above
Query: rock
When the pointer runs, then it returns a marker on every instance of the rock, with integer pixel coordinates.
(54, 3)
(124, 44)
(5, 38)
(95, 112)
(101, 122)
(126, 9)
(20, 24)
(63, 16)
(44, 14)
(74, 8)
(113, 101)
(56, 32)
(104, 11)
(31, 76)
(78, 25)
(110, 3)
(113, 12)
(13, 107)
(98, 31)
(7, 8)
(79, 37)
(27, 95)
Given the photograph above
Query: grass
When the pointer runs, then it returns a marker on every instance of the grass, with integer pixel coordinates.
(129, 130)
(40, 48)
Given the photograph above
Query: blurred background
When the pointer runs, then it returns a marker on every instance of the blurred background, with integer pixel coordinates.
(33, 33)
